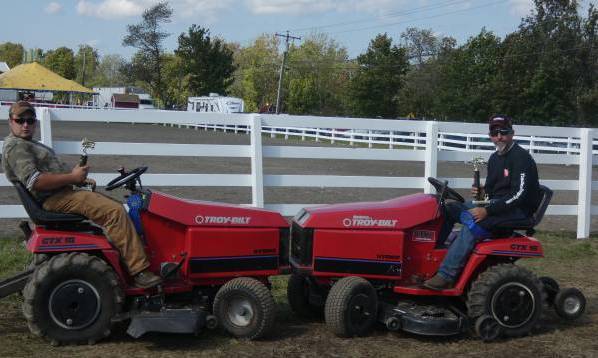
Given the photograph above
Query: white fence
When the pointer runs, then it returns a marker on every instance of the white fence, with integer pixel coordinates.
(433, 138)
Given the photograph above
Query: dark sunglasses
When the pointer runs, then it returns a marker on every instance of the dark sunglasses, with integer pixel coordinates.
(503, 132)
(29, 120)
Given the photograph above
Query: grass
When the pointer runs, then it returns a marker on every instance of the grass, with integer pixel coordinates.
(568, 260)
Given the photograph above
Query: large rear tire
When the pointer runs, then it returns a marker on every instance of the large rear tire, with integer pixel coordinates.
(72, 298)
(351, 307)
(245, 308)
(510, 294)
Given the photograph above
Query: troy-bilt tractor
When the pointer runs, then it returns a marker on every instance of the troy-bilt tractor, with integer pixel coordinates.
(215, 260)
(365, 262)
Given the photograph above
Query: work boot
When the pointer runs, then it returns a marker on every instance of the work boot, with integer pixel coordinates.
(438, 283)
(147, 279)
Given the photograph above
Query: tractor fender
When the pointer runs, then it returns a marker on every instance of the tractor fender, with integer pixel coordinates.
(514, 246)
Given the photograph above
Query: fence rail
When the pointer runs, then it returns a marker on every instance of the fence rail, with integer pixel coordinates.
(396, 140)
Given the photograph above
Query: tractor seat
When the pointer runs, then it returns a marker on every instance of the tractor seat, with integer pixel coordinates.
(528, 223)
(40, 216)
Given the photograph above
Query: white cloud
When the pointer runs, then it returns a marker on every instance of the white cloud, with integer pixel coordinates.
(207, 10)
(53, 8)
(112, 9)
(295, 7)
(520, 8)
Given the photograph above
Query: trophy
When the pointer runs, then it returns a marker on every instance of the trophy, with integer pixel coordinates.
(86, 145)
(477, 163)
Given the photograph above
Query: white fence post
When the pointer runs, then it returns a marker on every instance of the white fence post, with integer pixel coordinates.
(584, 201)
(257, 168)
(431, 163)
(45, 122)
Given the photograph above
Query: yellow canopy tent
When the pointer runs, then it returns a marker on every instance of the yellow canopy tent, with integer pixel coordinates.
(35, 77)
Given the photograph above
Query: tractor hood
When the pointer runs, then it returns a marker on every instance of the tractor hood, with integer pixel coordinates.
(399, 213)
(206, 213)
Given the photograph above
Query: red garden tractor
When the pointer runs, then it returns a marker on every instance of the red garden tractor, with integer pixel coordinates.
(363, 263)
(215, 260)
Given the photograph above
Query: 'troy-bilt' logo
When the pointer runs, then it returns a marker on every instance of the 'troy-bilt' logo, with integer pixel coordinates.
(235, 220)
(364, 220)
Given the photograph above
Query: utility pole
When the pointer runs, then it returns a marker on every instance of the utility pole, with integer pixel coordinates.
(287, 37)
(83, 74)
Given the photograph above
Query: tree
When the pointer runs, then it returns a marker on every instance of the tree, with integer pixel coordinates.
(11, 53)
(256, 77)
(207, 61)
(375, 87)
(86, 64)
(110, 70)
(176, 82)
(317, 77)
(61, 61)
(148, 39)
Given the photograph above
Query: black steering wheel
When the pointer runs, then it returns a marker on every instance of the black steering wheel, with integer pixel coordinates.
(125, 178)
(445, 192)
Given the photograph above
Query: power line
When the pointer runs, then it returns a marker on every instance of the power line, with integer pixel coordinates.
(287, 37)
(387, 15)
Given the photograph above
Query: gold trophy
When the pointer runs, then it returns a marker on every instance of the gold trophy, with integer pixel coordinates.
(478, 162)
(86, 145)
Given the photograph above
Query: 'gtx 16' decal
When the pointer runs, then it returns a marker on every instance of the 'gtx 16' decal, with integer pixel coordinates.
(364, 220)
(235, 220)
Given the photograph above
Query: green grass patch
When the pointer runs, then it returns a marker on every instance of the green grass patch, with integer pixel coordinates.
(14, 257)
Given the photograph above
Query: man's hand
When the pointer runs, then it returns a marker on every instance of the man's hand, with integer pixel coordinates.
(79, 174)
(90, 183)
(475, 191)
(478, 214)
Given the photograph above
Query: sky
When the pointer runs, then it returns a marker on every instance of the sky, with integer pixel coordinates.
(352, 23)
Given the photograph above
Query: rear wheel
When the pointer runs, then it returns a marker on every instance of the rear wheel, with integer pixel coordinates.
(351, 307)
(509, 294)
(72, 298)
(245, 308)
(299, 290)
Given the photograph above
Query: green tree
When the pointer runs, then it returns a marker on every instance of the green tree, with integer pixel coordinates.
(207, 61)
(61, 61)
(375, 87)
(176, 82)
(109, 72)
(256, 77)
(147, 37)
(317, 77)
(11, 53)
(86, 64)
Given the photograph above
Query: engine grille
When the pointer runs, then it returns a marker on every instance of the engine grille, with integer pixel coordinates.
(301, 245)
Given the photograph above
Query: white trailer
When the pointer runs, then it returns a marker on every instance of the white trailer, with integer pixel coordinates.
(215, 104)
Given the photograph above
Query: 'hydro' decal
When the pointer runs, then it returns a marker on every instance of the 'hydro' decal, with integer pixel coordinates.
(364, 220)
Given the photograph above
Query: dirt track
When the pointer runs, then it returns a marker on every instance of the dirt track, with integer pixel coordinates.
(294, 336)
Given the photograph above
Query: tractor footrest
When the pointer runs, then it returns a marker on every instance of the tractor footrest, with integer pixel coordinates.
(184, 320)
(428, 320)
(15, 284)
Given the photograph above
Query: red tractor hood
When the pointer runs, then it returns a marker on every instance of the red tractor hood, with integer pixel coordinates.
(399, 213)
(206, 213)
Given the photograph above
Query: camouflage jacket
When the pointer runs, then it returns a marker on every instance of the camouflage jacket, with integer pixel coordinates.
(24, 160)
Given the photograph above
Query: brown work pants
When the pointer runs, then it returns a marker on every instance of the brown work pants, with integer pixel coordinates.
(109, 214)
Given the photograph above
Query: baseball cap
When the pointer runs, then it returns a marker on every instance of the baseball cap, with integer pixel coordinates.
(500, 121)
(21, 107)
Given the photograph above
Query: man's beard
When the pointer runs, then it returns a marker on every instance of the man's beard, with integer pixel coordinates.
(500, 146)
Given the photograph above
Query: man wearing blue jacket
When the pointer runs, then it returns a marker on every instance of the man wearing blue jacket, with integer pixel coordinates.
(513, 189)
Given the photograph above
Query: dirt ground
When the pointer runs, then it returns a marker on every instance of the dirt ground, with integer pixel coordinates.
(296, 337)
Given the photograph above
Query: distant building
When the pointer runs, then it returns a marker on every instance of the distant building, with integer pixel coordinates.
(4, 67)
(104, 96)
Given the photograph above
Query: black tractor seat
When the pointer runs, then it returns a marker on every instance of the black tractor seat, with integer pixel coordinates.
(50, 219)
(529, 223)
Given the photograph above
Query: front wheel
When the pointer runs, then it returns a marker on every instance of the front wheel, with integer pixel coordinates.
(351, 307)
(570, 303)
(245, 308)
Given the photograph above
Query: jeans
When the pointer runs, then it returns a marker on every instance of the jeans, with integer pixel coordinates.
(461, 247)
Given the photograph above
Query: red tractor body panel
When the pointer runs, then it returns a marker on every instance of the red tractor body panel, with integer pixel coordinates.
(394, 240)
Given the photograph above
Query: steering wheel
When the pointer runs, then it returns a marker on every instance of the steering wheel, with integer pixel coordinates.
(125, 178)
(443, 189)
